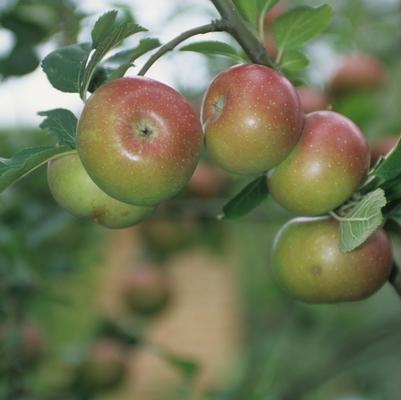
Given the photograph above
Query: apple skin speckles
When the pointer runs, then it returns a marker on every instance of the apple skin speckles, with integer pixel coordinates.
(252, 119)
(325, 167)
(309, 266)
(139, 140)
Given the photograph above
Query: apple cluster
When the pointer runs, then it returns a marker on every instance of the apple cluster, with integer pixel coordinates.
(314, 163)
(138, 143)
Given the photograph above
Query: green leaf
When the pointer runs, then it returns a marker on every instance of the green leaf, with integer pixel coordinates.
(214, 48)
(61, 123)
(362, 220)
(293, 60)
(247, 199)
(107, 42)
(298, 26)
(117, 65)
(129, 57)
(25, 161)
(252, 10)
(64, 67)
(103, 27)
(20, 61)
(390, 167)
(395, 214)
(188, 368)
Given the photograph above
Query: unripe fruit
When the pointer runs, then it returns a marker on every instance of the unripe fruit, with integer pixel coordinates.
(74, 190)
(309, 266)
(207, 181)
(252, 119)
(382, 147)
(312, 99)
(31, 345)
(325, 167)
(146, 290)
(168, 235)
(104, 366)
(357, 72)
(139, 140)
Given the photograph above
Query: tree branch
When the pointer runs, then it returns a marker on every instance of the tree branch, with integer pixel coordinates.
(242, 32)
(214, 26)
(395, 279)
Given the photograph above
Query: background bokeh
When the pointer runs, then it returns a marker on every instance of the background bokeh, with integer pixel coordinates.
(228, 331)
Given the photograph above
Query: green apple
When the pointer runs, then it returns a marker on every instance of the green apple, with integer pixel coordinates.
(104, 366)
(74, 190)
(309, 266)
(139, 140)
(146, 289)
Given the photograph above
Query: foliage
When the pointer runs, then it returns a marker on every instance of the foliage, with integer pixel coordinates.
(43, 249)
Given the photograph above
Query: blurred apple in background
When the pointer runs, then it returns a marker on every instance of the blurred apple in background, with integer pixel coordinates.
(381, 147)
(207, 181)
(104, 366)
(28, 339)
(146, 289)
(357, 72)
(312, 99)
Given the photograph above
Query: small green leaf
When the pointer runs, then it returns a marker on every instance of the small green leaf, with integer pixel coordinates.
(130, 56)
(64, 66)
(298, 26)
(247, 199)
(252, 10)
(108, 42)
(214, 48)
(363, 219)
(293, 60)
(188, 368)
(25, 161)
(103, 27)
(61, 123)
(390, 167)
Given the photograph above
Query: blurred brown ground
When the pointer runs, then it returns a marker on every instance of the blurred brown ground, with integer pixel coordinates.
(202, 323)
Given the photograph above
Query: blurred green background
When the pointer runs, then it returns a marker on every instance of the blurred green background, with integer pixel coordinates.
(229, 333)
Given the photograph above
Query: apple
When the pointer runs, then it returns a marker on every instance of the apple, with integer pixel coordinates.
(382, 147)
(146, 289)
(139, 140)
(164, 236)
(324, 169)
(74, 190)
(104, 366)
(207, 181)
(357, 72)
(252, 119)
(31, 344)
(312, 99)
(310, 267)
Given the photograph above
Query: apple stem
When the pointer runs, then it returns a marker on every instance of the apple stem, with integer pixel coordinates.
(214, 26)
(243, 33)
(395, 279)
